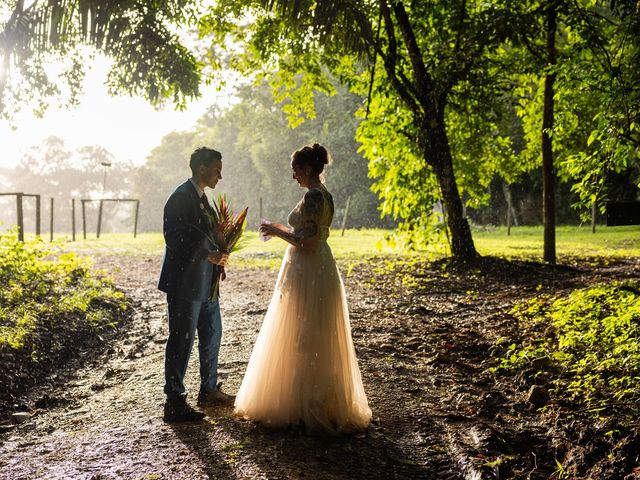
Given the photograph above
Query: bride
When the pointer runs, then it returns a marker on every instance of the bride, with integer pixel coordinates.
(303, 369)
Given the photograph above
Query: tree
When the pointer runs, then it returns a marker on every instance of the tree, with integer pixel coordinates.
(149, 58)
(59, 171)
(548, 169)
(53, 170)
(155, 180)
(588, 57)
(609, 90)
(431, 55)
(256, 143)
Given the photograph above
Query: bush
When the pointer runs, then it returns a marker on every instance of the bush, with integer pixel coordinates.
(593, 336)
(50, 307)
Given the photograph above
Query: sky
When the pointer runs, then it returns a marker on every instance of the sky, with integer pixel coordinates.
(128, 127)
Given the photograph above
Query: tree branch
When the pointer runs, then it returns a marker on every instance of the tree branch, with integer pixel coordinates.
(375, 58)
(593, 31)
(463, 14)
(408, 135)
(399, 81)
(423, 79)
(6, 46)
(8, 27)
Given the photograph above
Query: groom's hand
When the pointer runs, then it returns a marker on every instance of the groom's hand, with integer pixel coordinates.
(218, 258)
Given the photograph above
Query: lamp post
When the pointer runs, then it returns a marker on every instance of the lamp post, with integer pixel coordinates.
(106, 165)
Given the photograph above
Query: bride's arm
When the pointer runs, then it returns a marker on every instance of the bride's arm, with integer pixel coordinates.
(307, 237)
(286, 235)
(282, 232)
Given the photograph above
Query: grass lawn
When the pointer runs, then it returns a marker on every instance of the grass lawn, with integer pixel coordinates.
(360, 245)
(355, 245)
(570, 241)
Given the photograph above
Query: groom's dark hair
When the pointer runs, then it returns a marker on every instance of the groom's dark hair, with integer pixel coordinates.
(203, 156)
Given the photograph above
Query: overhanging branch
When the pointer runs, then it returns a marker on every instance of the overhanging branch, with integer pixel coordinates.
(422, 77)
(401, 83)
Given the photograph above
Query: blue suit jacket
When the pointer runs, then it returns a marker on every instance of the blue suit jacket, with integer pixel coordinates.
(186, 272)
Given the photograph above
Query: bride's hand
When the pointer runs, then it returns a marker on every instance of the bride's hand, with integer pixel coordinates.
(266, 229)
(272, 228)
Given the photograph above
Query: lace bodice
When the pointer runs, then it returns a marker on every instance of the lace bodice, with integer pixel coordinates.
(313, 214)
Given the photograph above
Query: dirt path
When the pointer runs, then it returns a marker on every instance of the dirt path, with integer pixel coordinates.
(438, 414)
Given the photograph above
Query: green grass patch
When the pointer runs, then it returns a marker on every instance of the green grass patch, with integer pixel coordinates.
(571, 241)
(592, 337)
(364, 244)
(354, 246)
(47, 300)
(113, 244)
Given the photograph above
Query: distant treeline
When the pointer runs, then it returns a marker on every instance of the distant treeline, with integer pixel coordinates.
(256, 142)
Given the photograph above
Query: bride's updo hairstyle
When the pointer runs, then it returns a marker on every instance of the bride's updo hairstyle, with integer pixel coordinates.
(314, 156)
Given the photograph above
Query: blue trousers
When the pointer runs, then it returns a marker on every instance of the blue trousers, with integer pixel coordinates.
(185, 317)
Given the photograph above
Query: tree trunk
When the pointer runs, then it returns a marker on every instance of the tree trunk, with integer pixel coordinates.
(438, 155)
(548, 172)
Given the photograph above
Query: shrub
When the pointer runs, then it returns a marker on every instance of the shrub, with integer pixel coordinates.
(50, 306)
(593, 336)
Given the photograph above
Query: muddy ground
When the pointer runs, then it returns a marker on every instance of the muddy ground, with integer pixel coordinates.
(423, 335)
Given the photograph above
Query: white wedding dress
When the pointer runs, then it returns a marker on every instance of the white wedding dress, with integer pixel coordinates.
(303, 369)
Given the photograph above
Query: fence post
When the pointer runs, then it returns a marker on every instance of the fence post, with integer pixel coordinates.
(135, 222)
(20, 217)
(84, 220)
(38, 215)
(346, 212)
(51, 220)
(73, 219)
(506, 190)
(99, 219)
(261, 217)
(594, 210)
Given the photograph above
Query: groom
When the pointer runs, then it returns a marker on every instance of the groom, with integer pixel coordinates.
(191, 264)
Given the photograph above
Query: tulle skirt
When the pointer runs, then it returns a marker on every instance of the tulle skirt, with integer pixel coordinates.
(303, 369)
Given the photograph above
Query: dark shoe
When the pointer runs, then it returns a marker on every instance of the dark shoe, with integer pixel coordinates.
(180, 411)
(215, 398)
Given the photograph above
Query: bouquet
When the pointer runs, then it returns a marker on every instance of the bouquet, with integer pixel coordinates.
(227, 227)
